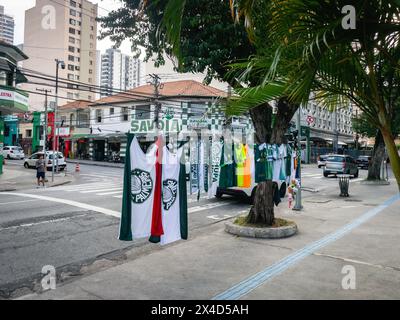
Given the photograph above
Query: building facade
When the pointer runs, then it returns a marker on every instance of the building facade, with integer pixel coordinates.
(12, 99)
(6, 27)
(65, 30)
(120, 72)
(185, 106)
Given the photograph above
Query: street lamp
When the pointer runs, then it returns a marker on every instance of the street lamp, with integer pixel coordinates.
(59, 63)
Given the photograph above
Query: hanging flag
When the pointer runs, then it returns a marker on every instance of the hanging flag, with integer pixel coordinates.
(194, 167)
(174, 198)
(138, 192)
(156, 223)
(215, 155)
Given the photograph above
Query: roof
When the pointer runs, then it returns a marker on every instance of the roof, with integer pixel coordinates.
(181, 88)
(12, 51)
(78, 104)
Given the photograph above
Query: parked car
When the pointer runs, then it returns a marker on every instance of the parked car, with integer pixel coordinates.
(340, 164)
(321, 160)
(363, 161)
(248, 193)
(13, 152)
(30, 162)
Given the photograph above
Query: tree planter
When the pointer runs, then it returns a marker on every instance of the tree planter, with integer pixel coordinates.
(261, 232)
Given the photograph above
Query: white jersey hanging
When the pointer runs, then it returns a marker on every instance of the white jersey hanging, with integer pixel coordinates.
(138, 193)
(174, 202)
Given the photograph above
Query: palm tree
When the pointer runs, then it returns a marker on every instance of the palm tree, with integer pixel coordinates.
(359, 65)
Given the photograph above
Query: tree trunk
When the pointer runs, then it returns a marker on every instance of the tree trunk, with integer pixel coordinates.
(393, 153)
(263, 209)
(374, 169)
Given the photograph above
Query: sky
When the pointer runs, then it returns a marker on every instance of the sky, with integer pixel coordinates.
(16, 8)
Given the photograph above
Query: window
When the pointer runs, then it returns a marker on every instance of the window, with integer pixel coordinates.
(111, 111)
(90, 80)
(77, 78)
(90, 54)
(72, 30)
(72, 3)
(78, 50)
(72, 21)
(70, 76)
(79, 32)
(98, 115)
(77, 68)
(71, 49)
(71, 40)
(71, 58)
(142, 112)
(91, 37)
(90, 71)
(72, 12)
(28, 133)
(124, 114)
(91, 62)
(71, 67)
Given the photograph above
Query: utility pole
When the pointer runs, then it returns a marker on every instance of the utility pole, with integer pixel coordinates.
(298, 206)
(46, 91)
(157, 84)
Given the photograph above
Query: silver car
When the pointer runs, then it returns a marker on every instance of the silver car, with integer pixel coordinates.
(340, 164)
(13, 152)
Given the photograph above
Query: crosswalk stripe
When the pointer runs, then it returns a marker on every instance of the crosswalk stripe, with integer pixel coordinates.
(107, 193)
(100, 190)
(119, 197)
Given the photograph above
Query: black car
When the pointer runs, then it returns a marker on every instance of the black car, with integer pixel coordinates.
(363, 162)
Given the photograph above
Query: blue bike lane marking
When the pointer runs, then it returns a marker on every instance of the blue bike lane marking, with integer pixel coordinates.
(251, 283)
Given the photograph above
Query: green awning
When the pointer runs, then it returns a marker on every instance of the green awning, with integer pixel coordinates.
(20, 77)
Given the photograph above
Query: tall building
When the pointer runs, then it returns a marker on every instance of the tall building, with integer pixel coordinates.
(65, 30)
(120, 72)
(6, 27)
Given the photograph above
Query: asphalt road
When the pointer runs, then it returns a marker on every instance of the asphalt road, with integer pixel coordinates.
(74, 224)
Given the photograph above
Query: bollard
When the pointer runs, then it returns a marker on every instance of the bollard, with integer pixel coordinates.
(344, 181)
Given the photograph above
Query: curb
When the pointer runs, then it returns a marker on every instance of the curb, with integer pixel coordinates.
(264, 233)
(100, 164)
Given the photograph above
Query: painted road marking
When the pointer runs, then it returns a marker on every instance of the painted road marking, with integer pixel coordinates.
(119, 197)
(42, 222)
(217, 217)
(68, 202)
(22, 201)
(206, 207)
(107, 193)
(101, 190)
(253, 282)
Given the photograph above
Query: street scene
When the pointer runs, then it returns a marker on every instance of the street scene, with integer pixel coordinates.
(226, 161)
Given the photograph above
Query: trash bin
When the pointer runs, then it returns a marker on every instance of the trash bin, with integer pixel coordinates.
(344, 180)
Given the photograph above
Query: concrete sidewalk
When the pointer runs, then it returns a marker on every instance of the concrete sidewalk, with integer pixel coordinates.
(96, 163)
(334, 232)
(19, 178)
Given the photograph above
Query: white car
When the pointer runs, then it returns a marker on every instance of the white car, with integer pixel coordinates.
(30, 162)
(13, 152)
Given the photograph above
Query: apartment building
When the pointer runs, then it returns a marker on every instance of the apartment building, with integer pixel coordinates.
(65, 30)
(6, 27)
(120, 72)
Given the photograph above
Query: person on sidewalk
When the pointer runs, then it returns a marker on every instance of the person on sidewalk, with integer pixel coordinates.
(40, 171)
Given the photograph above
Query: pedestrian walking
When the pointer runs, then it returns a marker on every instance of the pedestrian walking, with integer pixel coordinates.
(40, 171)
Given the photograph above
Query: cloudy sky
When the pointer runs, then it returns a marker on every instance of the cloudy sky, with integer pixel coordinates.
(16, 8)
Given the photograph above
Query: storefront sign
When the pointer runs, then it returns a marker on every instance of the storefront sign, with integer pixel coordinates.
(144, 126)
(63, 131)
(13, 98)
(198, 123)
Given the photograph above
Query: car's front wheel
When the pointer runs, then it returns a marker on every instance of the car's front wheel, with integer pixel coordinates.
(325, 174)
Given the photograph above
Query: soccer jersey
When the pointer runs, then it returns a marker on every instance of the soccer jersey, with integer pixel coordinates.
(139, 187)
(174, 209)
